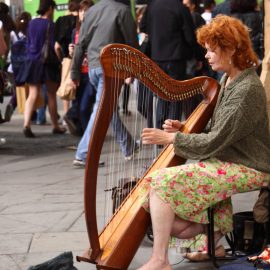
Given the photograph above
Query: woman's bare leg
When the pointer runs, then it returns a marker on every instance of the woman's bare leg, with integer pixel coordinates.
(192, 229)
(30, 104)
(184, 229)
(162, 220)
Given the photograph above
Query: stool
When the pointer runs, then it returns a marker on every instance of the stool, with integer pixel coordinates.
(211, 237)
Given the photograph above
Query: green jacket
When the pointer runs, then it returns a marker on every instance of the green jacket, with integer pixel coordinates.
(239, 130)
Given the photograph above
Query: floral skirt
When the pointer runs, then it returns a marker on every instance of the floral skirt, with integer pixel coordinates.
(192, 188)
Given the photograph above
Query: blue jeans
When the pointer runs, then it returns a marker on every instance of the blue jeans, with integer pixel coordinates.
(123, 137)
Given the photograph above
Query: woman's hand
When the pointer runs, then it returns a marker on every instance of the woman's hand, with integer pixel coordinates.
(156, 136)
(73, 83)
(172, 125)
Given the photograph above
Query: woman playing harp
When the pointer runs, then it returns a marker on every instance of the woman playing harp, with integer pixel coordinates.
(234, 156)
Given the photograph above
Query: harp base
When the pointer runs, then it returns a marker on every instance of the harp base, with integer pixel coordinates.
(86, 258)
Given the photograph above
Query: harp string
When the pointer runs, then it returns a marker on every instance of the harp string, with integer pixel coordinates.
(118, 168)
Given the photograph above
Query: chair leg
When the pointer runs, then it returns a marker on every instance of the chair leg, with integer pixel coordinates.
(211, 237)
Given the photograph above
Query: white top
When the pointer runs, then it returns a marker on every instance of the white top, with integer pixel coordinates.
(207, 16)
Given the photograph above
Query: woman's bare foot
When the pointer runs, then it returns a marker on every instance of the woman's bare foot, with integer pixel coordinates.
(203, 256)
(156, 264)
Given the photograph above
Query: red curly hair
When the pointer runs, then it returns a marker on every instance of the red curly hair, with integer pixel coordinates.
(229, 33)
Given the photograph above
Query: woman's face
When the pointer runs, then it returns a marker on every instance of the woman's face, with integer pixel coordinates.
(81, 14)
(218, 60)
(189, 5)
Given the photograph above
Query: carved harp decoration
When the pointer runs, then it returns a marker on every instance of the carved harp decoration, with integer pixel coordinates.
(118, 242)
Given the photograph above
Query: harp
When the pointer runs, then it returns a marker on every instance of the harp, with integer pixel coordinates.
(115, 246)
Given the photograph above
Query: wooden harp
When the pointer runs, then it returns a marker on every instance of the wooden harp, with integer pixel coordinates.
(118, 242)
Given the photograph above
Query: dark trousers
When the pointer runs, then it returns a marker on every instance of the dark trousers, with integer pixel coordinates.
(168, 109)
(81, 107)
(126, 93)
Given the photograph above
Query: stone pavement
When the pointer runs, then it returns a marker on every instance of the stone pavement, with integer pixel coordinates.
(41, 201)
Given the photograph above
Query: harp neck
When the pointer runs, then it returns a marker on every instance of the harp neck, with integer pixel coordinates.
(127, 62)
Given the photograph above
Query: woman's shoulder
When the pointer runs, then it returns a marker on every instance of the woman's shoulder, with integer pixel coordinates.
(40, 21)
(39, 25)
(251, 77)
(249, 85)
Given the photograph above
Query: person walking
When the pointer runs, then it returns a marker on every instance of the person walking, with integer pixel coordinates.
(208, 6)
(247, 11)
(7, 25)
(78, 115)
(37, 71)
(171, 34)
(64, 26)
(108, 21)
(17, 56)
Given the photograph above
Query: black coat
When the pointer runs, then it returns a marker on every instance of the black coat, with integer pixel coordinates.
(253, 21)
(171, 30)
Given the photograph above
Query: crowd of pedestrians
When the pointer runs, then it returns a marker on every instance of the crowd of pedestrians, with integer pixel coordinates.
(166, 28)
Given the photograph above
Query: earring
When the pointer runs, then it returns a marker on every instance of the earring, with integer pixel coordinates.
(230, 61)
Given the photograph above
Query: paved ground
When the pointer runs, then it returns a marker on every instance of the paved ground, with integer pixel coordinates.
(41, 201)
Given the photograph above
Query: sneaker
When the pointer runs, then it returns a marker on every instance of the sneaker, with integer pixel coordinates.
(128, 158)
(71, 125)
(8, 112)
(71, 147)
(136, 150)
(101, 163)
(78, 163)
(81, 164)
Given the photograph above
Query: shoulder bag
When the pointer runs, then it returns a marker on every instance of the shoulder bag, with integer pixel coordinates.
(66, 90)
(48, 56)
